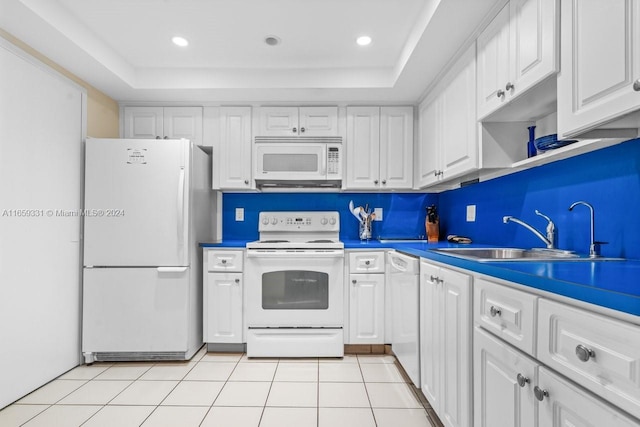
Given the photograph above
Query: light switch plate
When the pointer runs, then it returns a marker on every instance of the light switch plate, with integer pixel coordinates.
(239, 214)
(378, 212)
(471, 213)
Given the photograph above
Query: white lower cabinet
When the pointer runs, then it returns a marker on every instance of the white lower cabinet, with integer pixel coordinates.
(366, 283)
(222, 296)
(445, 343)
(511, 388)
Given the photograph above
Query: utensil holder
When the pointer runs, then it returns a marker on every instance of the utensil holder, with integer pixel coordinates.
(365, 230)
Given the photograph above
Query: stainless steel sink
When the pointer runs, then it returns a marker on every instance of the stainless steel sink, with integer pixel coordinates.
(517, 254)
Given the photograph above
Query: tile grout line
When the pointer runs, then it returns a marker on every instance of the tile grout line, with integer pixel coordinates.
(223, 385)
(366, 390)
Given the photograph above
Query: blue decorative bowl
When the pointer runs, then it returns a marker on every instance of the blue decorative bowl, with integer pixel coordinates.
(550, 142)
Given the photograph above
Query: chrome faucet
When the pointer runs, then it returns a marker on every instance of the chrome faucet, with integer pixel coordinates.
(549, 240)
(594, 247)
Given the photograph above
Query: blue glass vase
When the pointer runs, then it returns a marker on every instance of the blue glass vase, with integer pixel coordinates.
(531, 146)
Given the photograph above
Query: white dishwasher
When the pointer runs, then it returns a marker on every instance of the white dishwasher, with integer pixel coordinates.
(403, 274)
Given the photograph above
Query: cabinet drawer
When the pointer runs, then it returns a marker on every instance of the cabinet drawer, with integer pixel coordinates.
(366, 262)
(506, 312)
(224, 260)
(596, 351)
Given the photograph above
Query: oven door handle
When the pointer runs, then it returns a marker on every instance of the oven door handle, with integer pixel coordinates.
(294, 254)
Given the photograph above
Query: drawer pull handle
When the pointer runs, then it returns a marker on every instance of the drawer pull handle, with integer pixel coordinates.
(224, 261)
(495, 311)
(540, 393)
(367, 262)
(584, 353)
(522, 380)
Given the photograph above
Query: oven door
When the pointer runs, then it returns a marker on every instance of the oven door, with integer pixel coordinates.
(294, 288)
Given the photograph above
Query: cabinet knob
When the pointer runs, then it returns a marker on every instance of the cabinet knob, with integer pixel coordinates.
(584, 353)
(166, 137)
(509, 86)
(522, 380)
(540, 393)
(367, 262)
(246, 182)
(636, 85)
(495, 311)
(354, 281)
(224, 261)
(433, 279)
(500, 93)
(375, 182)
(302, 130)
(158, 137)
(384, 182)
(295, 130)
(237, 281)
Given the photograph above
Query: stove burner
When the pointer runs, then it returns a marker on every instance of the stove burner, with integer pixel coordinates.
(320, 241)
(274, 241)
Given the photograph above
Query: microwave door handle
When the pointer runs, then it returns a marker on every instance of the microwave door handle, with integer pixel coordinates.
(324, 162)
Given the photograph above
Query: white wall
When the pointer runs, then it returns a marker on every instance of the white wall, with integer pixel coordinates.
(42, 116)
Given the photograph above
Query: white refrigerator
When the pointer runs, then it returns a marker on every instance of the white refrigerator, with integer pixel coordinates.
(148, 204)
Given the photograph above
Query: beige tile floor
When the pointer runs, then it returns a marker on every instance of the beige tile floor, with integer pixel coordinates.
(215, 389)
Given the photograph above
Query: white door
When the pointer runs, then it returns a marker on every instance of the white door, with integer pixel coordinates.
(430, 321)
(493, 64)
(600, 51)
(456, 402)
(503, 384)
(137, 203)
(396, 147)
(143, 122)
(318, 121)
(567, 405)
(135, 309)
(183, 122)
(277, 121)
(363, 147)
(223, 308)
(235, 148)
(428, 162)
(366, 309)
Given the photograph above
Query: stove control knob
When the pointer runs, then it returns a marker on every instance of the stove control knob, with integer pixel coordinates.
(332, 221)
(323, 221)
(265, 220)
(274, 221)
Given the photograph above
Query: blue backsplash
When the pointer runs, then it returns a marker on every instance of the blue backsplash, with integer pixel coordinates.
(403, 213)
(609, 179)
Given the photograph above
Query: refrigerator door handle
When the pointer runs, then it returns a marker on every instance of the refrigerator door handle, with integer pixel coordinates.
(171, 269)
(181, 211)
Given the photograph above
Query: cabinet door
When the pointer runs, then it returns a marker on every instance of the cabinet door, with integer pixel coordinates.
(363, 148)
(533, 26)
(570, 406)
(318, 121)
(430, 348)
(277, 121)
(223, 308)
(499, 401)
(459, 137)
(493, 64)
(396, 147)
(456, 349)
(428, 163)
(183, 122)
(143, 122)
(235, 148)
(600, 48)
(366, 308)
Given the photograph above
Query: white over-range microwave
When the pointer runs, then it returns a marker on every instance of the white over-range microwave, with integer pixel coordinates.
(304, 162)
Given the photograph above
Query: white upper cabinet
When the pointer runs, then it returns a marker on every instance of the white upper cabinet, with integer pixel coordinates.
(297, 121)
(234, 150)
(379, 148)
(448, 141)
(600, 78)
(516, 51)
(163, 123)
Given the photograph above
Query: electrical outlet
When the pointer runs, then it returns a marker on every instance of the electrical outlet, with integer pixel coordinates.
(471, 213)
(378, 212)
(239, 214)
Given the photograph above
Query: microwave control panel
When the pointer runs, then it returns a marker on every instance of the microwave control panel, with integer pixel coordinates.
(333, 160)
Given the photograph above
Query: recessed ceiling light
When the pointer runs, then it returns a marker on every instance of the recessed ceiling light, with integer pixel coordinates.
(363, 40)
(272, 40)
(180, 41)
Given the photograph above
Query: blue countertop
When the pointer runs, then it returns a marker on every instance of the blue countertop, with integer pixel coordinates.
(611, 284)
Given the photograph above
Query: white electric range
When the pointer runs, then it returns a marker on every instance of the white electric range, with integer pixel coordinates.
(294, 286)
